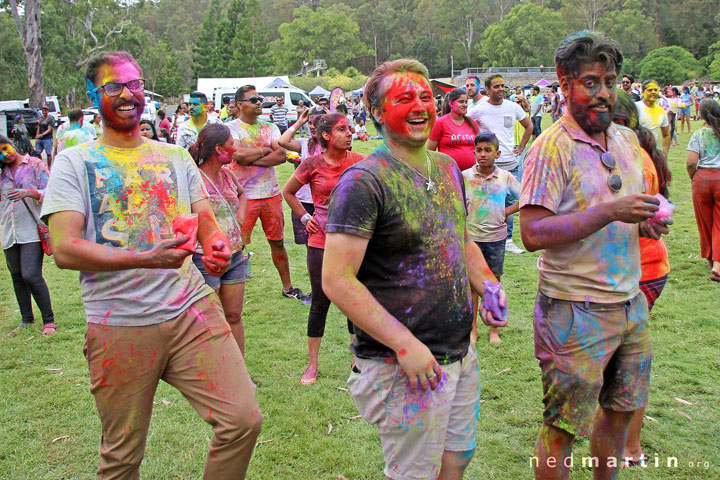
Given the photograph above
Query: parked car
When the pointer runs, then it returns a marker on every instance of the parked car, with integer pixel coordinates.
(270, 94)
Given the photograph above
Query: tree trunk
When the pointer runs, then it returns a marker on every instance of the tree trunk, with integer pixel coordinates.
(30, 38)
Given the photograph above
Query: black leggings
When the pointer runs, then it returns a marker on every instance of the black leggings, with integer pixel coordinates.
(671, 118)
(25, 264)
(320, 303)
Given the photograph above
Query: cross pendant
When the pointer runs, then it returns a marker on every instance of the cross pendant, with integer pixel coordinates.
(431, 186)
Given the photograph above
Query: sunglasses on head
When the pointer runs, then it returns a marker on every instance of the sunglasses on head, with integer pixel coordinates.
(254, 99)
(615, 182)
(113, 89)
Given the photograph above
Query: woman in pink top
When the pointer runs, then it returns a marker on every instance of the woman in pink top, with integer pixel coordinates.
(212, 151)
(454, 132)
(321, 172)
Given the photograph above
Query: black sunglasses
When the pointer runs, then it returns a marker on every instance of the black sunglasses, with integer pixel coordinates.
(254, 99)
(615, 181)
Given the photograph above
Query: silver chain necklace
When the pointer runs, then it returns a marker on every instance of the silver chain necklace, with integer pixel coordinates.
(430, 185)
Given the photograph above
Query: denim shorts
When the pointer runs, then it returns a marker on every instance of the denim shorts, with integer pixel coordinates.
(234, 275)
(494, 253)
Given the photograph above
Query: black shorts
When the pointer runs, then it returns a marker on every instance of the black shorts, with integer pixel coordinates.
(494, 253)
(301, 235)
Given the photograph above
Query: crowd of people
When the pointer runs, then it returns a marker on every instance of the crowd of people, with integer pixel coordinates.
(408, 242)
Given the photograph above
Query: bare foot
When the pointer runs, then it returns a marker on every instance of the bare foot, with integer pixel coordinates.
(310, 375)
(494, 336)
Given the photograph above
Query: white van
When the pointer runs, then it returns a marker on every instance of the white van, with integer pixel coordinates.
(292, 97)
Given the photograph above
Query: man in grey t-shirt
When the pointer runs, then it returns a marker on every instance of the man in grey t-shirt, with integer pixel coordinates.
(110, 205)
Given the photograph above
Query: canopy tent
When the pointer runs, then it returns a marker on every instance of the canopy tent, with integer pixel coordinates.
(280, 83)
(319, 92)
(441, 88)
(542, 83)
(358, 92)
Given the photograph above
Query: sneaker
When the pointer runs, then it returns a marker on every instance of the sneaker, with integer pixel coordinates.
(295, 293)
(511, 247)
(308, 298)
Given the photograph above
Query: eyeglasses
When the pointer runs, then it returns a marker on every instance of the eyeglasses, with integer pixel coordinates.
(113, 89)
(254, 100)
(625, 82)
(615, 182)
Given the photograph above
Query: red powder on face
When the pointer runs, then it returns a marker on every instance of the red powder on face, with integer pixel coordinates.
(402, 352)
(408, 97)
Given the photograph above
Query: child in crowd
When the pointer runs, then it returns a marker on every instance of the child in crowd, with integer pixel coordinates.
(486, 187)
(361, 132)
(163, 135)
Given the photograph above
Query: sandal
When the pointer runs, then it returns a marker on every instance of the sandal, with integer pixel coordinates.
(49, 330)
(18, 328)
(305, 381)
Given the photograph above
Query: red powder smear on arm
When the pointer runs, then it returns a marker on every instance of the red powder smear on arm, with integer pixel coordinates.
(402, 352)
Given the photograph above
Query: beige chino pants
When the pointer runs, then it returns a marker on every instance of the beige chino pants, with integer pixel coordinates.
(194, 352)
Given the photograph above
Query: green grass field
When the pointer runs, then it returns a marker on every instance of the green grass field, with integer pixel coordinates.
(50, 428)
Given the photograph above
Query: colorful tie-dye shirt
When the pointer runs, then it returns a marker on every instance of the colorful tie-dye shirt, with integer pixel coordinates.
(414, 264)
(563, 173)
(486, 203)
(129, 197)
(705, 143)
(16, 224)
(188, 132)
(258, 182)
(73, 137)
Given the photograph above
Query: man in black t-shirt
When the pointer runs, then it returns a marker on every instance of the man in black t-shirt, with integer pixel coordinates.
(44, 136)
(399, 263)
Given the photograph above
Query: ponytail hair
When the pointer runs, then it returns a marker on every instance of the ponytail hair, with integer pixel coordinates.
(313, 141)
(452, 96)
(208, 138)
(625, 109)
(648, 143)
(710, 113)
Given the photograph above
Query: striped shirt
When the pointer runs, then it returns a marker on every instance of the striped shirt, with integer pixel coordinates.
(279, 115)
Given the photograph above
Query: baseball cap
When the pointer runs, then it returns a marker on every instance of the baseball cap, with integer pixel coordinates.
(44, 107)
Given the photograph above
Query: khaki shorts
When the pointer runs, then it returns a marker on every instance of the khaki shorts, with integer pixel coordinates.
(590, 353)
(415, 427)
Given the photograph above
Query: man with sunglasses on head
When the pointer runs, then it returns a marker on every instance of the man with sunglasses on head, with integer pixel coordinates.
(582, 205)
(199, 117)
(256, 154)
(111, 204)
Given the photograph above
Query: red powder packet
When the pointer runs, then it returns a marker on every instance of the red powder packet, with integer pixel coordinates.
(186, 226)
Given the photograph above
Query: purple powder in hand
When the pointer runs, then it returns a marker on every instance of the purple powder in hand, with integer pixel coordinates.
(491, 300)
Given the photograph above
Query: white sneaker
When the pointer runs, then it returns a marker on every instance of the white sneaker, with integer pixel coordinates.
(511, 247)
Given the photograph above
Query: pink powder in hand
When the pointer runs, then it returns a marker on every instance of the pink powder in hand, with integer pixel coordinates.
(491, 300)
(186, 226)
(665, 212)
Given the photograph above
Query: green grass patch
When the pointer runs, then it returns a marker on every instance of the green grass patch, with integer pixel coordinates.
(39, 405)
